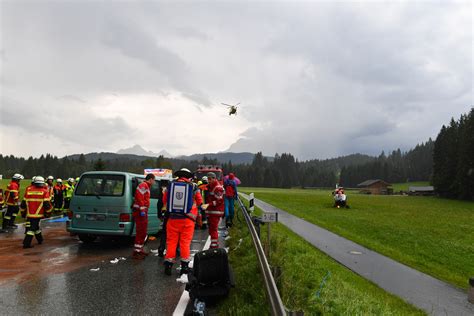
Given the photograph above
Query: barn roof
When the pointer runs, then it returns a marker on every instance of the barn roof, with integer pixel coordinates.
(368, 183)
(421, 189)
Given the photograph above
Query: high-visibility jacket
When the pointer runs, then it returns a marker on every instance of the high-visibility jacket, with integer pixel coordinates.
(203, 187)
(141, 201)
(215, 199)
(68, 190)
(36, 202)
(197, 198)
(12, 193)
(50, 191)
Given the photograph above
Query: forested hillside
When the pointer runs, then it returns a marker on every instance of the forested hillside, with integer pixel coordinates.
(453, 157)
(447, 162)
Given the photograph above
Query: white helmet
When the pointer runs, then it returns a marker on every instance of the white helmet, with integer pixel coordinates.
(59, 180)
(50, 178)
(71, 180)
(18, 176)
(205, 179)
(38, 180)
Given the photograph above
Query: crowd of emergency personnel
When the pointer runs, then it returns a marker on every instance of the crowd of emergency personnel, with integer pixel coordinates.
(40, 199)
(184, 204)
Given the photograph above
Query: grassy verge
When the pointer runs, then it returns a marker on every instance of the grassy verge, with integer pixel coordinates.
(310, 281)
(248, 296)
(433, 235)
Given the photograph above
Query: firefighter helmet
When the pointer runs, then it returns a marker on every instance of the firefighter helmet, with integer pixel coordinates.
(71, 180)
(18, 176)
(50, 178)
(58, 180)
(183, 173)
(38, 180)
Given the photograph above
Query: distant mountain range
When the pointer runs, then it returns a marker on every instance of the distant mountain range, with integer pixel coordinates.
(139, 153)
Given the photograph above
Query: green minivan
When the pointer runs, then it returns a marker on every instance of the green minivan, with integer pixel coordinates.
(101, 205)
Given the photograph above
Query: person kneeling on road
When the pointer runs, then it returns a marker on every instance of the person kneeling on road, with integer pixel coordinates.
(140, 215)
(182, 201)
(35, 206)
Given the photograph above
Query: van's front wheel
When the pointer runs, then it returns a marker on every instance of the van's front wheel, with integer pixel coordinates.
(86, 238)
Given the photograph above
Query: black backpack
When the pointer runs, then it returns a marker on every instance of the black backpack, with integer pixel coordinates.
(211, 277)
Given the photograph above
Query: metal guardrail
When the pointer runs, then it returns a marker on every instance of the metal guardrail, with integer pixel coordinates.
(273, 294)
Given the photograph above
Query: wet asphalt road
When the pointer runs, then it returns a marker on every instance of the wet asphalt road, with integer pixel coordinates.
(127, 287)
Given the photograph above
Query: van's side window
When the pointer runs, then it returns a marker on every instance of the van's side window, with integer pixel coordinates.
(155, 188)
(101, 185)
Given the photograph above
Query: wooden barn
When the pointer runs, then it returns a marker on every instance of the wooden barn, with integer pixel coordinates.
(375, 187)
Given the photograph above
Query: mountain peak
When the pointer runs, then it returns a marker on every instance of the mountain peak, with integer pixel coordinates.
(140, 151)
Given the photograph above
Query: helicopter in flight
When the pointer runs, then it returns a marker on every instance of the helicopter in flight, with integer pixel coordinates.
(232, 108)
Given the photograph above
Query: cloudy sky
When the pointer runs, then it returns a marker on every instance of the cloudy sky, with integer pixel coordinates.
(315, 78)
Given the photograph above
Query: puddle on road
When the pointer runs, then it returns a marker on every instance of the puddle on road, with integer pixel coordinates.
(59, 253)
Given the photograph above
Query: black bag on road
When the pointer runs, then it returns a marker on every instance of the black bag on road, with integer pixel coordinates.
(211, 277)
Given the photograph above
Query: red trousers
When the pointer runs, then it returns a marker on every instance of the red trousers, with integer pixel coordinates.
(180, 231)
(213, 224)
(141, 224)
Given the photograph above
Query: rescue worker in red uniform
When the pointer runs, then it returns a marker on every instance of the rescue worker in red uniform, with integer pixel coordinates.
(12, 198)
(180, 226)
(1, 198)
(50, 187)
(140, 215)
(215, 210)
(58, 195)
(35, 206)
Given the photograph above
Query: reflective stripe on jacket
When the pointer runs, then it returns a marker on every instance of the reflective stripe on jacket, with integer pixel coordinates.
(12, 194)
(36, 202)
(215, 199)
(142, 197)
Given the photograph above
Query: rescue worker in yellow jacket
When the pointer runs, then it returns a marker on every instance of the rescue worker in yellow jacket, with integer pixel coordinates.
(68, 191)
(35, 206)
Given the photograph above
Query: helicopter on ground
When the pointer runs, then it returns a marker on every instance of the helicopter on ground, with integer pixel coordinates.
(232, 108)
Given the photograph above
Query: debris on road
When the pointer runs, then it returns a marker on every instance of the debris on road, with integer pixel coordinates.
(94, 269)
(116, 260)
(183, 279)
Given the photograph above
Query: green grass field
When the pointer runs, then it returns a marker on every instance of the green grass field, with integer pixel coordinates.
(310, 281)
(430, 234)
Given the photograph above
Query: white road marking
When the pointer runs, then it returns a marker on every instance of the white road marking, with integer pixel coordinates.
(184, 300)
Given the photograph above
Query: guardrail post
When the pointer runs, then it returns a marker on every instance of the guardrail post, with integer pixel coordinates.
(470, 293)
(268, 241)
(251, 202)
